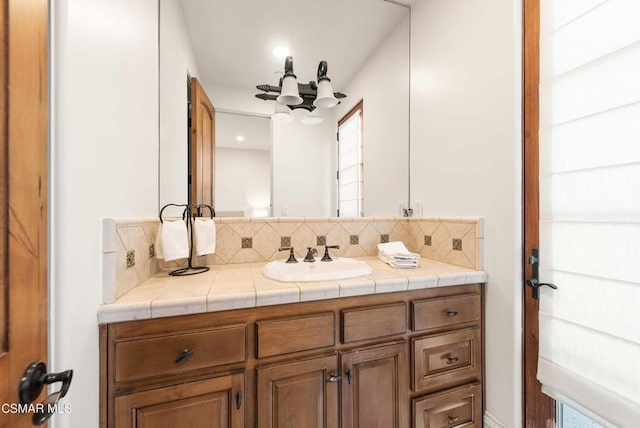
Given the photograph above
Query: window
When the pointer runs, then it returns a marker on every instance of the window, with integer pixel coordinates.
(350, 165)
(589, 207)
(570, 418)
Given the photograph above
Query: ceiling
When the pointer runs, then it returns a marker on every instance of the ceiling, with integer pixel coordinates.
(233, 40)
(254, 129)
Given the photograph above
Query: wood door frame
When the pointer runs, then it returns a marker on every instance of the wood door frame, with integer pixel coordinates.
(538, 409)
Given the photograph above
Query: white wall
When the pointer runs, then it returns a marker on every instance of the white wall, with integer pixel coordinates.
(104, 162)
(303, 167)
(176, 61)
(466, 157)
(383, 84)
(243, 180)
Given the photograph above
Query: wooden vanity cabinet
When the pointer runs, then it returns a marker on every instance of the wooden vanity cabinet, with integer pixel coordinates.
(390, 360)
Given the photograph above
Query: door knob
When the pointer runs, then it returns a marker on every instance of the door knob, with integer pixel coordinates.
(33, 381)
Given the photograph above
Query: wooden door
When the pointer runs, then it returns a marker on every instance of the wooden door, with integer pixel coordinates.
(23, 195)
(202, 150)
(298, 394)
(211, 403)
(375, 388)
(538, 409)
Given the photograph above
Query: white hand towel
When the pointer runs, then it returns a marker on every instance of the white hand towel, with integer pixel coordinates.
(396, 249)
(396, 255)
(204, 235)
(172, 242)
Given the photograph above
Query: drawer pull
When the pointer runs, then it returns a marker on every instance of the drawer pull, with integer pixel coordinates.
(453, 419)
(451, 313)
(334, 378)
(183, 356)
(238, 400)
(451, 359)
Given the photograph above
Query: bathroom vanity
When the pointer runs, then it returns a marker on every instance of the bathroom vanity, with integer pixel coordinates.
(392, 349)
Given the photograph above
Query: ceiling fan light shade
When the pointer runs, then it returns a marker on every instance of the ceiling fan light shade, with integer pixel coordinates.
(282, 114)
(325, 97)
(289, 94)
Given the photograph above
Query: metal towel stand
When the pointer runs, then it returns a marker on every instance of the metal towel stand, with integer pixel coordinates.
(191, 211)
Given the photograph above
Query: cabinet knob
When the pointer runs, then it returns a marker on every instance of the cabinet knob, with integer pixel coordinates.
(334, 378)
(451, 313)
(238, 400)
(453, 419)
(186, 353)
(451, 359)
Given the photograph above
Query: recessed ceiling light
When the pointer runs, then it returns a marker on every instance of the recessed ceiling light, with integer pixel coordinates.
(281, 52)
(239, 138)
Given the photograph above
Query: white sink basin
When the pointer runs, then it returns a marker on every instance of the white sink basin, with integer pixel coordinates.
(338, 268)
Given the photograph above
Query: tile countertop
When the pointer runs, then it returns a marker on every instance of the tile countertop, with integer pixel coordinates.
(235, 286)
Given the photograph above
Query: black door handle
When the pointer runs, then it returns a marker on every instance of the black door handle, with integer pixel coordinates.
(534, 283)
(33, 381)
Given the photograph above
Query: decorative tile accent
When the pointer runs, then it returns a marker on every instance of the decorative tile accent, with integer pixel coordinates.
(247, 242)
(457, 244)
(131, 258)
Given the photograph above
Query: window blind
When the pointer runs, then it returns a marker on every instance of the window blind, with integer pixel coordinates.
(590, 207)
(350, 198)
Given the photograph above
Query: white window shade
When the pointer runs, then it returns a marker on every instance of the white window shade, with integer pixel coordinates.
(590, 206)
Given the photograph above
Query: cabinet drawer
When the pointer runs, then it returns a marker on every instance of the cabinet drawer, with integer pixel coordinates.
(283, 336)
(373, 322)
(171, 354)
(437, 313)
(452, 409)
(446, 359)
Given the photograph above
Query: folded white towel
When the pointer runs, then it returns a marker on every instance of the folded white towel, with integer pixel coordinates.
(396, 249)
(172, 242)
(204, 235)
(399, 264)
(397, 255)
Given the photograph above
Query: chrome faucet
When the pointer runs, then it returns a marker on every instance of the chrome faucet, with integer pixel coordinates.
(311, 252)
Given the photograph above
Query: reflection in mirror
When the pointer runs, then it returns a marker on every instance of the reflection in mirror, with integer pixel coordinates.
(243, 165)
(231, 47)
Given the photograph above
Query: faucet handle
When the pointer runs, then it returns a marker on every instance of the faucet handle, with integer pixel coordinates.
(327, 257)
(311, 252)
(292, 257)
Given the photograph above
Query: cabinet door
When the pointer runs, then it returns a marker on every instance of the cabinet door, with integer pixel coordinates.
(375, 387)
(299, 394)
(211, 403)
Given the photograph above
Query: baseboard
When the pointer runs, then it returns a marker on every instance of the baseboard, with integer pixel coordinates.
(491, 421)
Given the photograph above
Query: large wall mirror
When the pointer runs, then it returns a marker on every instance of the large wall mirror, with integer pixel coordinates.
(267, 168)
